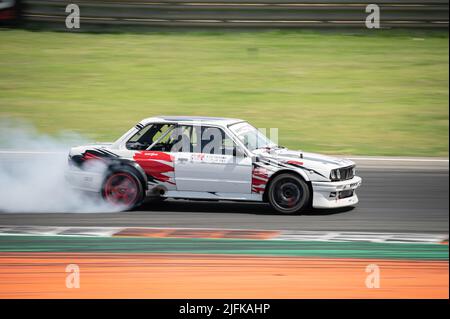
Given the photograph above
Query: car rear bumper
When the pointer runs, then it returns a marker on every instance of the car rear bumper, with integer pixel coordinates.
(335, 194)
(84, 180)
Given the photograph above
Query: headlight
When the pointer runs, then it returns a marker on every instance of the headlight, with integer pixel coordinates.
(335, 175)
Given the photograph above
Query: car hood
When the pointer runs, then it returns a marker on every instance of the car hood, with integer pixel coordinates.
(322, 164)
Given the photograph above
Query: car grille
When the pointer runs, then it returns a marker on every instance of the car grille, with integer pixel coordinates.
(347, 172)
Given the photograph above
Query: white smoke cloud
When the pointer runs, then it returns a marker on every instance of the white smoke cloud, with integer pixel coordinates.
(32, 172)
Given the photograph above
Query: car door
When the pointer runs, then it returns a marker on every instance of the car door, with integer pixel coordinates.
(206, 160)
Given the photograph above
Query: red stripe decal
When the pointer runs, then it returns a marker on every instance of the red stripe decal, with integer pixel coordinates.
(150, 161)
(260, 176)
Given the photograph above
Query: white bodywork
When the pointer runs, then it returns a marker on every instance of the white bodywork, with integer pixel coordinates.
(196, 175)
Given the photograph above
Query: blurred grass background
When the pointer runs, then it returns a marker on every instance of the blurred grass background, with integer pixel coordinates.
(377, 93)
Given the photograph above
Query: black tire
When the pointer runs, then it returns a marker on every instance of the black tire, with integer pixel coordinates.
(288, 194)
(123, 188)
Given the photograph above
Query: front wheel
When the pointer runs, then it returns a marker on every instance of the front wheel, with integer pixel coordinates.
(123, 189)
(288, 194)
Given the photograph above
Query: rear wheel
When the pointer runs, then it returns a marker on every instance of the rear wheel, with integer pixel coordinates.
(122, 188)
(288, 194)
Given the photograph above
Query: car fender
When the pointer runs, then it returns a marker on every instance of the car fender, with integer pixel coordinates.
(297, 172)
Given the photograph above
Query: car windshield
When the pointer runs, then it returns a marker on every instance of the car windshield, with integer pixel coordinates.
(251, 136)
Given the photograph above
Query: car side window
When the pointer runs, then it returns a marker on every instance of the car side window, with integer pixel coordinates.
(216, 141)
(199, 139)
(196, 139)
(181, 139)
(148, 136)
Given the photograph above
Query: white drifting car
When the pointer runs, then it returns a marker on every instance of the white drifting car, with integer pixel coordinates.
(211, 159)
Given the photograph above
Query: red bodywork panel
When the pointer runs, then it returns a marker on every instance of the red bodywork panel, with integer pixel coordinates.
(156, 164)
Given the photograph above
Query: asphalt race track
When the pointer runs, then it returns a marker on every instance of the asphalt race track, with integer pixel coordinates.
(400, 225)
(392, 199)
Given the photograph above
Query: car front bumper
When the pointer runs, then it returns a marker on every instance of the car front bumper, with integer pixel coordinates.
(335, 194)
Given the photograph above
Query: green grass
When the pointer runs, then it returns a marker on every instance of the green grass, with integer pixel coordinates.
(376, 94)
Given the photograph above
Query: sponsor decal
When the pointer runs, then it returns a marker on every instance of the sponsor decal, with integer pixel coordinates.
(209, 158)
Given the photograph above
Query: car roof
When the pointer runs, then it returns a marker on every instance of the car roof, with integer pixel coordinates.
(192, 120)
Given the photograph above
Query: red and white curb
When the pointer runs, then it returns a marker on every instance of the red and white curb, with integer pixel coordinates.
(363, 237)
(217, 233)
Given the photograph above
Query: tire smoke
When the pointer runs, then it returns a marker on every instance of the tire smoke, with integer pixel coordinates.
(32, 172)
